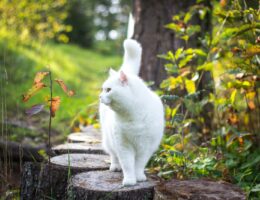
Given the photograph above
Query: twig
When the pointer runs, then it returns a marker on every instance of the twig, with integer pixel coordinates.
(49, 130)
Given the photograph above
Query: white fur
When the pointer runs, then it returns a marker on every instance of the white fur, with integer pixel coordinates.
(131, 116)
(132, 57)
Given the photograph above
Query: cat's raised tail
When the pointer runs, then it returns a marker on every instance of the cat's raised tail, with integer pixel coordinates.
(132, 57)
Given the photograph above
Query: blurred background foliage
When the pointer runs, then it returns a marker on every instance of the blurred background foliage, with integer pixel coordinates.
(78, 40)
(230, 149)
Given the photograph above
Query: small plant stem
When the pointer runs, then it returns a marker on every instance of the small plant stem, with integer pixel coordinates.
(250, 116)
(50, 117)
(49, 133)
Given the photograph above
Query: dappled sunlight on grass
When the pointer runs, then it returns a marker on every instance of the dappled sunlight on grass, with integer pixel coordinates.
(83, 70)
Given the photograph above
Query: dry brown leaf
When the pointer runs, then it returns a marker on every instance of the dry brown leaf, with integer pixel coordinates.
(251, 105)
(55, 104)
(35, 88)
(64, 87)
(39, 76)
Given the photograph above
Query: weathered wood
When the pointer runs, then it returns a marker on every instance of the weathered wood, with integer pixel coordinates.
(44, 180)
(198, 190)
(84, 138)
(81, 162)
(108, 185)
(78, 148)
(29, 182)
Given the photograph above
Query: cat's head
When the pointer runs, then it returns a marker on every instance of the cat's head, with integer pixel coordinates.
(115, 89)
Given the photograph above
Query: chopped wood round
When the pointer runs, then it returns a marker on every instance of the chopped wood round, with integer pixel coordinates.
(78, 148)
(84, 138)
(81, 162)
(51, 180)
(197, 190)
(108, 185)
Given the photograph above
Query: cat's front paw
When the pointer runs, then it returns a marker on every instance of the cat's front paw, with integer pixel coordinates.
(115, 168)
(129, 182)
(141, 177)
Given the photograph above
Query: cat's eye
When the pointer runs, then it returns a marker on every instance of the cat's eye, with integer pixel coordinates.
(107, 89)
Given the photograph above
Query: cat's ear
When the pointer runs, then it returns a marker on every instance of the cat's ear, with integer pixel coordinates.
(123, 78)
(112, 72)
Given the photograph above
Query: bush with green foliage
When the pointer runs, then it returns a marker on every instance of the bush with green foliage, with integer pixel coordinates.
(42, 19)
(231, 54)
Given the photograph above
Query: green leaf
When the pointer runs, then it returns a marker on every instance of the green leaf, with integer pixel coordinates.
(185, 37)
(255, 161)
(191, 30)
(174, 27)
(187, 17)
(174, 111)
(184, 61)
(170, 97)
(190, 86)
(178, 53)
(256, 188)
(206, 67)
(199, 52)
(233, 96)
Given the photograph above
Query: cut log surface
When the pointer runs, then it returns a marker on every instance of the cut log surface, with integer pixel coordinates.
(78, 148)
(198, 190)
(90, 137)
(108, 186)
(81, 162)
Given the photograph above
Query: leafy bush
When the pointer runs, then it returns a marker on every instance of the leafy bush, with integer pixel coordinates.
(42, 19)
(230, 150)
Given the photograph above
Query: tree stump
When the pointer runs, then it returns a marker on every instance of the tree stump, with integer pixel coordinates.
(198, 190)
(84, 138)
(108, 186)
(43, 181)
(78, 148)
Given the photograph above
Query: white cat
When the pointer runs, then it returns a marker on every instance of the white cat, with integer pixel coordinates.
(131, 116)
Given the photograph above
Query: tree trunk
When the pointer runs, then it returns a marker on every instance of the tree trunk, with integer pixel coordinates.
(108, 185)
(151, 16)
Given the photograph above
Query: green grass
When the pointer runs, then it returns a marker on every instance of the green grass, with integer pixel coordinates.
(83, 70)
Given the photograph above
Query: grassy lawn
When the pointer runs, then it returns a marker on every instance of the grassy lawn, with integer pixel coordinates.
(83, 70)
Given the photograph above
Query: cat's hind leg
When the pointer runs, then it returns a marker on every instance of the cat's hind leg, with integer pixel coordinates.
(126, 158)
(142, 157)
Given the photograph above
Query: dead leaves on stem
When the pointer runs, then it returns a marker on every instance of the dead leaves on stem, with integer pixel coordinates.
(53, 103)
(33, 90)
(61, 83)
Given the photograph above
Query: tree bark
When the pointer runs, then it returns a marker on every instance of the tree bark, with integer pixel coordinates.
(150, 18)
(45, 181)
(108, 185)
